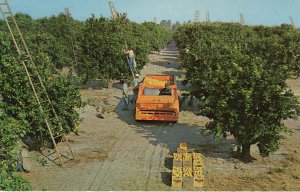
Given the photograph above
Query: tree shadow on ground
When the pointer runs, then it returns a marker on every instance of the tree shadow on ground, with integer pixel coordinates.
(170, 134)
(168, 163)
(93, 84)
(166, 178)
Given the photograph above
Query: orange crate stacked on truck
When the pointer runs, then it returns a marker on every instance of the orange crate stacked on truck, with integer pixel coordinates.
(152, 105)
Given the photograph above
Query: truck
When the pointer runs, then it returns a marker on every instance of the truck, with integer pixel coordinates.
(157, 99)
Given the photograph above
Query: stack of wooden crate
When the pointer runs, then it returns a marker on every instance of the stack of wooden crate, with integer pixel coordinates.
(187, 168)
(177, 170)
(198, 170)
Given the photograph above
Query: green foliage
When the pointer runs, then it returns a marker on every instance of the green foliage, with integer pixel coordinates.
(18, 105)
(10, 129)
(166, 24)
(104, 42)
(94, 48)
(18, 100)
(239, 75)
(176, 25)
(65, 33)
(157, 35)
(42, 161)
(13, 182)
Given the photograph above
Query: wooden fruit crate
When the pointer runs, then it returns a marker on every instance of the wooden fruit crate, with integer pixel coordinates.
(196, 168)
(187, 163)
(197, 163)
(177, 163)
(188, 181)
(183, 147)
(198, 182)
(177, 169)
(179, 150)
(177, 156)
(197, 156)
(198, 174)
(176, 181)
(187, 157)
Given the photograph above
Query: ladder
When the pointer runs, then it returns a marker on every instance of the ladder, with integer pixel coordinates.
(36, 83)
(197, 16)
(113, 10)
(114, 15)
(154, 20)
(207, 17)
(242, 21)
(132, 72)
(292, 22)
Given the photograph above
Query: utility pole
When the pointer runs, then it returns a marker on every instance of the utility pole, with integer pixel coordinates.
(242, 21)
(197, 16)
(292, 21)
(113, 10)
(207, 17)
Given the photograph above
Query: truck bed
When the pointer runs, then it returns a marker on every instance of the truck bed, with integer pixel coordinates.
(150, 105)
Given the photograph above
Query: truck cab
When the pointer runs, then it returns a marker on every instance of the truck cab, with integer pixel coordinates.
(157, 99)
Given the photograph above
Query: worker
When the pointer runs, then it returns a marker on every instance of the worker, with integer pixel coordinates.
(125, 95)
(135, 85)
(165, 91)
(98, 104)
(131, 59)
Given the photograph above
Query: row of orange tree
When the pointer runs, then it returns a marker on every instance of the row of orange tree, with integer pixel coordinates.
(104, 42)
(91, 48)
(20, 117)
(239, 75)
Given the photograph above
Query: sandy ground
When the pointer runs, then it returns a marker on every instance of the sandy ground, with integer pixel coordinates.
(117, 153)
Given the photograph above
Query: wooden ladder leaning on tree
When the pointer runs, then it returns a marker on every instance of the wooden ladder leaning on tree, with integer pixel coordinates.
(51, 119)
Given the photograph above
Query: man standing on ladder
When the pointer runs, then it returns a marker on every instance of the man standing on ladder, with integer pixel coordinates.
(131, 60)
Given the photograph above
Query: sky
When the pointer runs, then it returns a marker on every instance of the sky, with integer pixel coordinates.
(256, 12)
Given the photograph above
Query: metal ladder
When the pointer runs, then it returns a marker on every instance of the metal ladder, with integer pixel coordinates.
(114, 15)
(36, 83)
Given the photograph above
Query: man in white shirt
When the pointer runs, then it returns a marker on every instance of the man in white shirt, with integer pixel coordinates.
(135, 85)
(131, 59)
(125, 95)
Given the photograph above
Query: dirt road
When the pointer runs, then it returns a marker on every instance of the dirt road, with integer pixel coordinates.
(117, 153)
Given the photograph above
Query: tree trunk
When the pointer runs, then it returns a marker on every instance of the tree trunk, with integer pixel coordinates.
(246, 156)
(110, 83)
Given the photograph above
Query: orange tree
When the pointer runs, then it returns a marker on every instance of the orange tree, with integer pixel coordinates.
(157, 35)
(17, 97)
(103, 43)
(19, 113)
(239, 76)
(20, 116)
(63, 38)
(10, 130)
